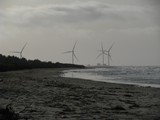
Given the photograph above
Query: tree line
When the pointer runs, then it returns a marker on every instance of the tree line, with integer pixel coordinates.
(10, 63)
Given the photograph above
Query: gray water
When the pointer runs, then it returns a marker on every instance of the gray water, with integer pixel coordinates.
(143, 76)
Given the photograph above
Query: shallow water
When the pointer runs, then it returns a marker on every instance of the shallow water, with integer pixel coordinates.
(143, 76)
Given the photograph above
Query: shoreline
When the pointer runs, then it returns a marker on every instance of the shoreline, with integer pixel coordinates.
(67, 74)
(41, 94)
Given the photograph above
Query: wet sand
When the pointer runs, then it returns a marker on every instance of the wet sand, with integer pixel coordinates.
(41, 94)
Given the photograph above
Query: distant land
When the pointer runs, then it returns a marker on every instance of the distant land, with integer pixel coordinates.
(10, 63)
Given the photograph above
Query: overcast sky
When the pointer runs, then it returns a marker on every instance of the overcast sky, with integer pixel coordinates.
(51, 27)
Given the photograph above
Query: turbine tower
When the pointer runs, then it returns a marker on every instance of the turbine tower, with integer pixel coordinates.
(73, 53)
(103, 53)
(109, 55)
(20, 51)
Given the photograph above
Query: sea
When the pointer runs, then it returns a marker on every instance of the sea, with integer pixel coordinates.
(137, 75)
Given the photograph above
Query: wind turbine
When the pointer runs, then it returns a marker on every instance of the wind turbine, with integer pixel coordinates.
(73, 53)
(20, 51)
(109, 55)
(103, 53)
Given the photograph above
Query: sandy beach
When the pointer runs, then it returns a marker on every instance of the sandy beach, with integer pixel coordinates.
(41, 94)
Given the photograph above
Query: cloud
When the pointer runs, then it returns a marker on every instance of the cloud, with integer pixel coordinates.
(80, 14)
(48, 13)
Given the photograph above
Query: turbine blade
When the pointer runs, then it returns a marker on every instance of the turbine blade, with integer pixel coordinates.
(75, 56)
(74, 46)
(15, 52)
(23, 47)
(98, 55)
(110, 47)
(105, 53)
(67, 52)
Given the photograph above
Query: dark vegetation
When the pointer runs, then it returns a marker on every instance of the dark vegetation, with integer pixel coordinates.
(9, 63)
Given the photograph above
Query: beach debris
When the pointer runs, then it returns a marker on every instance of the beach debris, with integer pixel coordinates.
(8, 113)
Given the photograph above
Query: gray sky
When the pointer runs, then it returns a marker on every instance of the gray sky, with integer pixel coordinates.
(51, 27)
